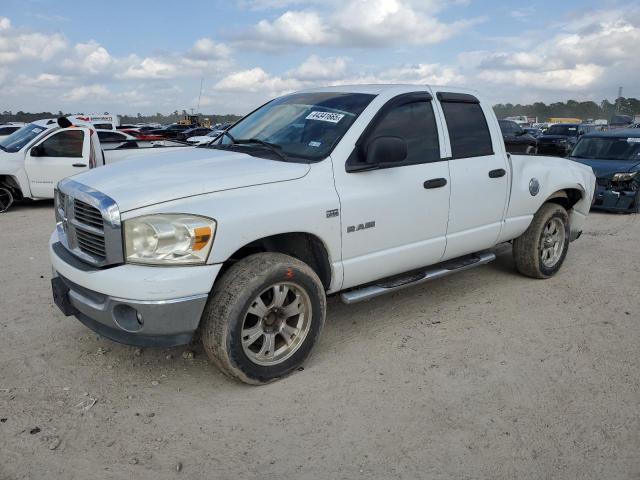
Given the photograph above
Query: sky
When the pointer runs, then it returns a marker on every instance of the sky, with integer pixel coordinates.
(151, 56)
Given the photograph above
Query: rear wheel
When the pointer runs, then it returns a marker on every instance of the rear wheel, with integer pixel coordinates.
(263, 317)
(540, 251)
(6, 199)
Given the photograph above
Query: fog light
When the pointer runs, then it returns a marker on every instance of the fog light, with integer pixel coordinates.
(127, 318)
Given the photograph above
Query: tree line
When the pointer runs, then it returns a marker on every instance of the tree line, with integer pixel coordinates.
(571, 108)
(173, 117)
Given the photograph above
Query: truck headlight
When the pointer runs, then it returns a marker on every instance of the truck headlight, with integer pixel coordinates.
(623, 177)
(168, 239)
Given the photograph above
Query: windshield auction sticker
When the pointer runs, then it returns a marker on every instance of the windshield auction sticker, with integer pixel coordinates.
(325, 116)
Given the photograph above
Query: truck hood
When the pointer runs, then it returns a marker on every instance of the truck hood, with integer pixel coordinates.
(184, 172)
(606, 168)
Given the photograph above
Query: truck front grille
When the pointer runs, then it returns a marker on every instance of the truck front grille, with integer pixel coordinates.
(87, 214)
(88, 224)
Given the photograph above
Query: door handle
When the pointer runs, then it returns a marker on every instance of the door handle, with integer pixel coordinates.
(435, 183)
(79, 165)
(499, 172)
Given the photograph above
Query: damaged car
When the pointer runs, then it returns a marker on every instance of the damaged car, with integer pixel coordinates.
(614, 157)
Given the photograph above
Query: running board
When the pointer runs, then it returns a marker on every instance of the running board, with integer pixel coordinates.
(416, 278)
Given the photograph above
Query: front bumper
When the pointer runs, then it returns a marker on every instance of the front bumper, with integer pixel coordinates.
(132, 304)
(612, 200)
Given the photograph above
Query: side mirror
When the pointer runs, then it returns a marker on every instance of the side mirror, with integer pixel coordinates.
(37, 151)
(383, 151)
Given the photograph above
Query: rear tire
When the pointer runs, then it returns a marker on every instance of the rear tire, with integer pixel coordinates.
(540, 251)
(263, 317)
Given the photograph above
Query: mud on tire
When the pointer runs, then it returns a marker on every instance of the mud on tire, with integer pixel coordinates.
(255, 301)
(529, 249)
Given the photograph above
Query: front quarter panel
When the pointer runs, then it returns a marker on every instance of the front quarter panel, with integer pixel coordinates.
(244, 215)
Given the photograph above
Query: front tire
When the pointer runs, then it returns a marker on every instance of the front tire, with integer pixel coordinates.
(540, 251)
(6, 199)
(263, 317)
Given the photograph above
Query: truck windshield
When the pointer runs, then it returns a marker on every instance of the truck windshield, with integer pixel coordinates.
(608, 148)
(303, 125)
(20, 138)
(568, 130)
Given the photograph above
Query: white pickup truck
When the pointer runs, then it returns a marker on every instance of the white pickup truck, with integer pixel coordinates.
(357, 190)
(36, 157)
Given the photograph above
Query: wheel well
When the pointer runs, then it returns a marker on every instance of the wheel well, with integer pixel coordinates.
(566, 198)
(304, 246)
(10, 183)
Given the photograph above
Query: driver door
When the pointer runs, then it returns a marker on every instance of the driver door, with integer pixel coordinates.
(60, 155)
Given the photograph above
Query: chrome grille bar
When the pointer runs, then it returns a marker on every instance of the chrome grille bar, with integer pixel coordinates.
(88, 224)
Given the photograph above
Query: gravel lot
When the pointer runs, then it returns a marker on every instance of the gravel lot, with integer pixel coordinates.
(485, 374)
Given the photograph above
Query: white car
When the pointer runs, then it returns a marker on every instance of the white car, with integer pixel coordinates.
(351, 190)
(36, 157)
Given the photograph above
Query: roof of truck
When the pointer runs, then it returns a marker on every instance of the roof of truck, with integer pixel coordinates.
(376, 89)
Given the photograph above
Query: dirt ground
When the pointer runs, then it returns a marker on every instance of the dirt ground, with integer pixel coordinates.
(485, 374)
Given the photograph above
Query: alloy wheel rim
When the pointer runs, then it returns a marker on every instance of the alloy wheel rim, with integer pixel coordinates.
(552, 242)
(276, 324)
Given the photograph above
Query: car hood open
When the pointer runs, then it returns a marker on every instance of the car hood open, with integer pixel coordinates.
(184, 172)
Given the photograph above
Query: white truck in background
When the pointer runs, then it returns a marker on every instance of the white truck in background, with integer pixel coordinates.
(36, 157)
(352, 190)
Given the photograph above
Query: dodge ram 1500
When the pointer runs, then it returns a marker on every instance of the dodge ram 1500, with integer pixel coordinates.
(351, 190)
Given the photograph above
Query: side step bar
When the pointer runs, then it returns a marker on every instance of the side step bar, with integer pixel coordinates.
(416, 278)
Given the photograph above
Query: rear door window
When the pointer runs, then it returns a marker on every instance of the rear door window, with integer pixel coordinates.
(468, 130)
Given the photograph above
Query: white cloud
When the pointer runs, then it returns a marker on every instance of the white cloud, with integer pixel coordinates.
(5, 23)
(90, 58)
(94, 92)
(317, 68)
(299, 28)
(257, 80)
(362, 23)
(17, 45)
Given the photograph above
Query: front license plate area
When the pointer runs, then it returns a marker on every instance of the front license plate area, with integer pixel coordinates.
(61, 297)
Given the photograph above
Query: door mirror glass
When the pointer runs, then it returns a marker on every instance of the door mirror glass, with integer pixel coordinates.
(386, 150)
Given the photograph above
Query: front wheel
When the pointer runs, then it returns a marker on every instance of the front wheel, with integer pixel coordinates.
(263, 317)
(6, 199)
(540, 251)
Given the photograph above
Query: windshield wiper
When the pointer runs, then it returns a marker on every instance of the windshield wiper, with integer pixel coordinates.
(270, 146)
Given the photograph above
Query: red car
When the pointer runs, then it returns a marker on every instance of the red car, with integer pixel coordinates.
(141, 135)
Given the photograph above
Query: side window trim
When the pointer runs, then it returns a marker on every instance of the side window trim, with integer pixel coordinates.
(397, 101)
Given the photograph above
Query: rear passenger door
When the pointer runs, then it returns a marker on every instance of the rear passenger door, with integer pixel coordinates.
(392, 220)
(479, 175)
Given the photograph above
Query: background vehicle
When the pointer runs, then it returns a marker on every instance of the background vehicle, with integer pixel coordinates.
(170, 131)
(204, 139)
(516, 139)
(36, 157)
(100, 121)
(361, 190)
(8, 128)
(560, 139)
(112, 140)
(141, 134)
(193, 132)
(615, 158)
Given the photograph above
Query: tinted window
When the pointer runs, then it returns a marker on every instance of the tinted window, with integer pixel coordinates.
(8, 130)
(608, 148)
(103, 126)
(468, 130)
(67, 143)
(568, 130)
(415, 123)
